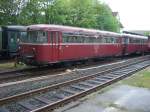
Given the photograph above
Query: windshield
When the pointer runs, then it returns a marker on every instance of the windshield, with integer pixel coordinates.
(37, 37)
(13, 36)
(23, 36)
(0, 40)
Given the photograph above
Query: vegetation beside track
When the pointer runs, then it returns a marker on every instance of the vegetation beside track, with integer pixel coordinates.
(140, 79)
(10, 65)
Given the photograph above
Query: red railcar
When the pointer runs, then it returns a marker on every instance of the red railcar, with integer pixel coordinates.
(135, 43)
(149, 43)
(48, 44)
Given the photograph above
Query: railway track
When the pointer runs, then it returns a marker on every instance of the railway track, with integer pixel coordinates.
(50, 97)
(2, 61)
(31, 72)
(13, 74)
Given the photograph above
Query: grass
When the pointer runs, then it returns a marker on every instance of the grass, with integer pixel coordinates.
(140, 79)
(7, 65)
(10, 65)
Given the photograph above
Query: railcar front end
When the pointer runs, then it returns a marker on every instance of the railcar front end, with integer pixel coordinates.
(11, 36)
(0, 42)
(40, 47)
(34, 49)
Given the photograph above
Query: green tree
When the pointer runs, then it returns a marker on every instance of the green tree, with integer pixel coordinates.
(9, 11)
(147, 33)
(31, 13)
(105, 19)
(81, 13)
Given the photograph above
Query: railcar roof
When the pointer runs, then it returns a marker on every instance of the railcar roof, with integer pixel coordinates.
(135, 36)
(15, 27)
(73, 29)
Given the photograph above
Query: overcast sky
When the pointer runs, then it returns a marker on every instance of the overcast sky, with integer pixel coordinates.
(134, 14)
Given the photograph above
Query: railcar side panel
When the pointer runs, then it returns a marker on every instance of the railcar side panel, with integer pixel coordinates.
(135, 48)
(148, 44)
(77, 51)
(67, 52)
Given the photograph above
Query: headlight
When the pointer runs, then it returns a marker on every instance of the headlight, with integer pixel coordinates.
(19, 48)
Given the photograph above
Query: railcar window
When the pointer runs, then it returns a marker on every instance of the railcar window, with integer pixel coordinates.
(41, 37)
(113, 40)
(94, 40)
(109, 40)
(99, 40)
(51, 37)
(142, 41)
(126, 40)
(91, 40)
(104, 40)
(32, 37)
(131, 40)
(87, 40)
(73, 39)
(70, 39)
(65, 39)
(117, 40)
(12, 36)
(57, 37)
(0, 40)
(37, 37)
(135, 41)
(80, 39)
(23, 37)
(145, 41)
(138, 41)
(83, 39)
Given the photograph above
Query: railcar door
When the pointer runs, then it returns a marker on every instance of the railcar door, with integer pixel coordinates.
(55, 39)
(0, 40)
(124, 45)
(13, 41)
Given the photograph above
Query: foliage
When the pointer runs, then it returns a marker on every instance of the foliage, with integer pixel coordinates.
(30, 14)
(81, 13)
(9, 10)
(147, 33)
(105, 19)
